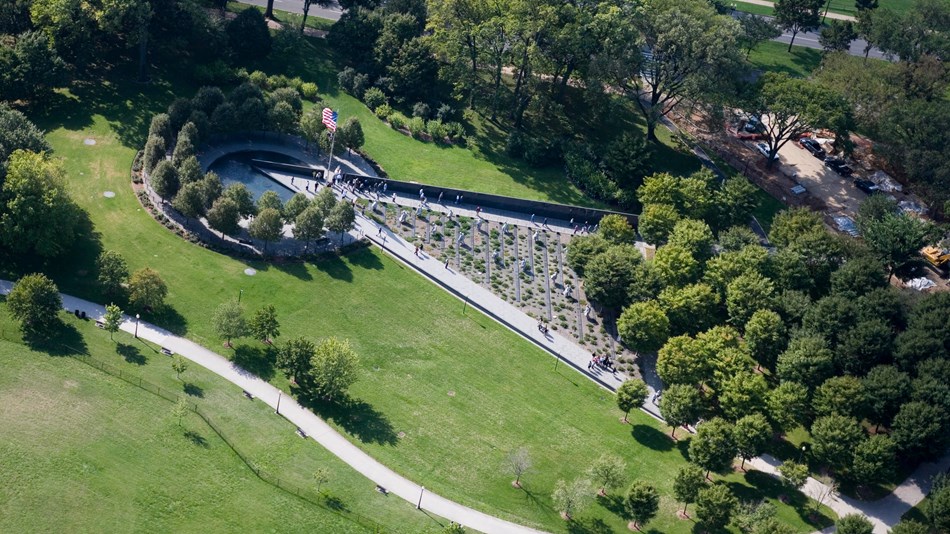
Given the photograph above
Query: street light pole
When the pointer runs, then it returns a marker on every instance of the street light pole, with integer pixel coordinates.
(422, 490)
(279, 394)
(240, 294)
(137, 316)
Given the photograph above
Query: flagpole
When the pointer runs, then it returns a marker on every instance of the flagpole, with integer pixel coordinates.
(330, 159)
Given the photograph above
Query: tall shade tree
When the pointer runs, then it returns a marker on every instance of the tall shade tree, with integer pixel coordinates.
(854, 524)
(147, 290)
(790, 107)
(834, 439)
(609, 472)
(713, 447)
(766, 336)
(756, 30)
(743, 393)
(112, 319)
(267, 226)
(840, 395)
(309, 225)
(642, 502)
(874, 460)
(894, 238)
(34, 301)
(681, 361)
(37, 217)
(788, 405)
(798, 16)
(294, 359)
(643, 326)
(295, 207)
(656, 222)
(793, 473)
(164, 179)
(518, 462)
(228, 321)
(676, 266)
(190, 200)
(264, 326)
(920, 430)
(680, 45)
(333, 369)
(691, 309)
(687, 484)
(630, 395)
(616, 230)
(112, 273)
(270, 200)
(752, 434)
(837, 36)
(748, 294)
(715, 506)
(572, 498)
(224, 216)
(886, 387)
(608, 275)
(341, 218)
(808, 361)
(241, 196)
(680, 405)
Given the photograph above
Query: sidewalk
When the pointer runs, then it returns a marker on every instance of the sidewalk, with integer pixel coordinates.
(830, 15)
(312, 425)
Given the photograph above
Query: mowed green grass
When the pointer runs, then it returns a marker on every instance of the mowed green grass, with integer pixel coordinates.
(84, 452)
(844, 7)
(772, 56)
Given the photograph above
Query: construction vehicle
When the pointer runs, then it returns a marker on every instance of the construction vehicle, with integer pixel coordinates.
(938, 258)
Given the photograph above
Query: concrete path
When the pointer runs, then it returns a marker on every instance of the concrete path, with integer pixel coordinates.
(313, 426)
(767, 3)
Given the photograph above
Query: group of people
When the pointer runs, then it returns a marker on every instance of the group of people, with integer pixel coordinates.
(542, 327)
(602, 362)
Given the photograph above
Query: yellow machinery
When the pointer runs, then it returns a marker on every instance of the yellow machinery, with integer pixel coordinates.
(938, 258)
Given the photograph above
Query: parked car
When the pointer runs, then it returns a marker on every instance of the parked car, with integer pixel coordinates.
(752, 125)
(764, 149)
(839, 166)
(867, 186)
(812, 146)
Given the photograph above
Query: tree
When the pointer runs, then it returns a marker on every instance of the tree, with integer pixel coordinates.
(755, 31)
(608, 275)
(325, 201)
(309, 224)
(687, 484)
(154, 153)
(793, 473)
(858, 276)
(264, 325)
(190, 200)
(29, 67)
(283, 119)
(37, 217)
(793, 106)
(938, 510)
(715, 505)
(583, 249)
(694, 236)
(164, 179)
(867, 344)
(680, 405)
(518, 462)
(840, 395)
(295, 207)
(834, 440)
(179, 365)
(248, 35)
(340, 218)
(320, 477)
(630, 395)
(894, 238)
(688, 44)
(874, 460)
(854, 524)
(681, 361)
(311, 125)
(743, 393)
(909, 526)
(571, 498)
(747, 294)
(628, 160)
(643, 326)
(18, 133)
(919, 430)
(752, 434)
(189, 171)
(691, 309)
(656, 222)
(412, 72)
(886, 388)
(294, 358)
(242, 197)
(112, 273)
(267, 226)
(616, 230)
(333, 368)
(270, 200)
(34, 301)
(675, 265)
(228, 321)
(184, 147)
(798, 16)
(147, 290)
(788, 405)
(765, 334)
(352, 134)
(808, 361)
(112, 319)
(713, 447)
(642, 503)
(609, 471)
(224, 216)
(837, 36)
(180, 409)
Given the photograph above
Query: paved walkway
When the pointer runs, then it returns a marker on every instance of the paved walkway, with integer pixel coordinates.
(312, 425)
(830, 15)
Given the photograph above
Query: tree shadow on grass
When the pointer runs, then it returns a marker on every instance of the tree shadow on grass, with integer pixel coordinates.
(130, 353)
(193, 390)
(334, 503)
(357, 417)
(295, 269)
(169, 319)
(652, 438)
(335, 267)
(365, 259)
(759, 484)
(588, 525)
(614, 504)
(66, 340)
(196, 439)
(256, 360)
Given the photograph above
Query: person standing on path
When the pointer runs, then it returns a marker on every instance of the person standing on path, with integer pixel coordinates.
(532, 218)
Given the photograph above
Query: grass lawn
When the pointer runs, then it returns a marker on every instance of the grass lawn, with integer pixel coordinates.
(755, 9)
(774, 56)
(293, 19)
(844, 7)
(83, 451)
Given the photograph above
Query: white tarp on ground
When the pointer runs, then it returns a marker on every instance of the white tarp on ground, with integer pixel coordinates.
(885, 182)
(920, 284)
(909, 206)
(846, 225)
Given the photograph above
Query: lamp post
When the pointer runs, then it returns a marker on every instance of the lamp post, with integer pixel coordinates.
(279, 394)
(137, 317)
(422, 490)
(240, 294)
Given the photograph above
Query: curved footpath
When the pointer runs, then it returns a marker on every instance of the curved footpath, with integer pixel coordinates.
(312, 425)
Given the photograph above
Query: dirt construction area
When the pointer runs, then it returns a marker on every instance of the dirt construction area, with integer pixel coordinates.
(838, 193)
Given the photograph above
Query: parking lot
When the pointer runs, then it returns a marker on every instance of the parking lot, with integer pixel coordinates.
(838, 193)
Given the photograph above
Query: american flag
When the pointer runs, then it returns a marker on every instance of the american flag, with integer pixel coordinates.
(329, 119)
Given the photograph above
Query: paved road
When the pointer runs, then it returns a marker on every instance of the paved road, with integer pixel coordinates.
(810, 40)
(332, 12)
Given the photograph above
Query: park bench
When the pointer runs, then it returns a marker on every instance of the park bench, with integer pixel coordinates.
(301, 433)
(167, 352)
(248, 395)
(100, 324)
(382, 490)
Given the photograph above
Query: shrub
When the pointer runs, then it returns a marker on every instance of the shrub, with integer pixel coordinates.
(436, 130)
(374, 97)
(360, 83)
(445, 113)
(582, 172)
(514, 145)
(309, 91)
(398, 121)
(455, 130)
(416, 126)
(259, 79)
(288, 42)
(215, 73)
(384, 112)
(421, 110)
(540, 152)
(345, 79)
